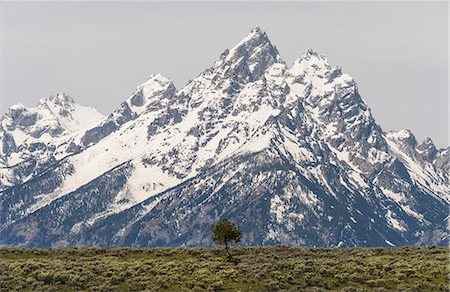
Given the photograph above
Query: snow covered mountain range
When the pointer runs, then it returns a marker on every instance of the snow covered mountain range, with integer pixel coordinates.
(293, 155)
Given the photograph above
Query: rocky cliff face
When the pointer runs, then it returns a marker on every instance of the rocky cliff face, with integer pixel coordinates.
(292, 154)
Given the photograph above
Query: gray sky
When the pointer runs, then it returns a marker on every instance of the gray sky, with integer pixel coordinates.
(98, 52)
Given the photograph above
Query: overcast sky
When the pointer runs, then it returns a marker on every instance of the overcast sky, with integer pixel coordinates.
(98, 52)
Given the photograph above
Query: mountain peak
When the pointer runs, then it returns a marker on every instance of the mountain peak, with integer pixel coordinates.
(60, 97)
(17, 106)
(426, 144)
(400, 134)
(256, 33)
(312, 52)
(406, 137)
(311, 62)
(427, 148)
(15, 111)
(313, 55)
(428, 141)
(62, 100)
(256, 29)
(254, 52)
(157, 86)
(257, 38)
(155, 82)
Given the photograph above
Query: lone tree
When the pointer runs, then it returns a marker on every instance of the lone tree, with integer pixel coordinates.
(224, 232)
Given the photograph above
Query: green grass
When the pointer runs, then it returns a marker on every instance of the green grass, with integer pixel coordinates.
(206, 269)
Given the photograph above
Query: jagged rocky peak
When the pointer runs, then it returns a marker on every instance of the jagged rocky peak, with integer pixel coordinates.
(311, 63)
(156, 86)
(151, 95)
(59, 104)
(426, 144)
(312, 69)
(252, 55)
(255, 42)
(326, 87)
(246, 62)
(59, 99)
(404, 137)
(15, 107)
(22, 116)
(30, 135)
(14, 110)
(442, 159)
(18, 116)
(55, 114)
(427, 149)
(312, 56)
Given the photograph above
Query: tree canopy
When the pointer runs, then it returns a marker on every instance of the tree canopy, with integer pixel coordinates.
(225, 232)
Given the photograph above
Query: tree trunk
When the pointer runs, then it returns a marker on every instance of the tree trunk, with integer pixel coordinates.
(226, 247)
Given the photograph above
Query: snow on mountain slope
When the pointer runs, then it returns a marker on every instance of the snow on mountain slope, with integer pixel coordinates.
(29, 136)
(53, 118)
(151, 95)
(181, 150)
(433, 180)
(293, 154)
(91, 128)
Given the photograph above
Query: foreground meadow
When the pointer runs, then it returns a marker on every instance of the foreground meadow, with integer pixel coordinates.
(207, 269)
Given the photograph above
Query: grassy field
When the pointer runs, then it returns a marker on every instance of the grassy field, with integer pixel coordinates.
(252, 269)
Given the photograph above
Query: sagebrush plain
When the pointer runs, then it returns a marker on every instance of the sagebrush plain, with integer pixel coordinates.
(207, 269)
